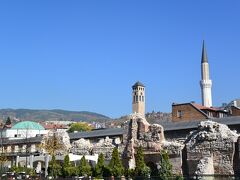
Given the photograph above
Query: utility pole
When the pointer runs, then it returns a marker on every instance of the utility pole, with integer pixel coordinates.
(26, 151)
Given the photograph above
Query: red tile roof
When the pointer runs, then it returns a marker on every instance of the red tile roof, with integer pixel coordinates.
(198, 106)
(54, 126)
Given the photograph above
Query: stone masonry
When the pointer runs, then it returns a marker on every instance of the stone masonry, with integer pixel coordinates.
(210, 149)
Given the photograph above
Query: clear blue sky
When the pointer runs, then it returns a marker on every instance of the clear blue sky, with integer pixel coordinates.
(86, 55)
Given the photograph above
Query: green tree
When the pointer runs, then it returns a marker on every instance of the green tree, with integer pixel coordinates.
(66, 166)
(99, 169)
(115, 164)
(66, 161)
(55, 168)
(165, 171)
(8, 122)
(141, 168)
(80, 126)
(84, 168)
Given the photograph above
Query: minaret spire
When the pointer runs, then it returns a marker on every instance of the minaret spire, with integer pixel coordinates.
(204, 53)
(206, 83)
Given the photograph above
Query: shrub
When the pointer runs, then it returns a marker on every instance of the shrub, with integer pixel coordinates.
(84, 168)
(115, 164)
(98, 172)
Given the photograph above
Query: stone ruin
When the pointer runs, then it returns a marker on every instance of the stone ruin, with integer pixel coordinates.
(210, 150)
(85, 147)
(82, 147)
(139, 133)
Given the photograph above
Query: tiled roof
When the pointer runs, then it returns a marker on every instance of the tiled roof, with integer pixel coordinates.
(54, 126)
(170, 126)
(21, 141)
(198, 106)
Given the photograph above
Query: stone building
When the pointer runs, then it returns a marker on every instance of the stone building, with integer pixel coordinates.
(138, 98)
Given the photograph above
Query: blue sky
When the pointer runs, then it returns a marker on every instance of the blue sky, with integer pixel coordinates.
(86, 55)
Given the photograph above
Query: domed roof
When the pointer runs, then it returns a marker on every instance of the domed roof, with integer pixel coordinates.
(138, 84)
(28, 125)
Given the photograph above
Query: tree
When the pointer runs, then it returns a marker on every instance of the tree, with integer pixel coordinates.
(84, 167)
(80, 126)
(66, 165)
(8, 122)
(52, 144)
(165, 171)
(141, 168)
(3, 160)
(115, 164)
(54, 167)
(99, 169)
(68, 169)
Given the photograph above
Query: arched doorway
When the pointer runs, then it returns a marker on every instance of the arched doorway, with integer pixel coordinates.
(153, 167)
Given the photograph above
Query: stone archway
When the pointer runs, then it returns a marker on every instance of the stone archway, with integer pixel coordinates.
(153, 167)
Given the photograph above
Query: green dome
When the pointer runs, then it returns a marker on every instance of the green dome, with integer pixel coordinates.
(28, 125)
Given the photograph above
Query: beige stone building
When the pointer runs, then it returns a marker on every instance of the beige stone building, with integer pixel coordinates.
(138, 95)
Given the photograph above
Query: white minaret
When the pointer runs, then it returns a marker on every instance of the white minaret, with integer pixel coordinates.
(206, 83)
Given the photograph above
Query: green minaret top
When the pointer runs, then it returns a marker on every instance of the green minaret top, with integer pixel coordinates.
(204, 54)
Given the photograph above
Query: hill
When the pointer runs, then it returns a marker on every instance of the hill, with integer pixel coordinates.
(51, 115)
(151, 117)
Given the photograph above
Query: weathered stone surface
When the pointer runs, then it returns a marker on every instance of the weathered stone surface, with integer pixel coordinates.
(174, 150)
(82, 147)
(151, 138)
(205, 166)
(211, 141)
(104, 146)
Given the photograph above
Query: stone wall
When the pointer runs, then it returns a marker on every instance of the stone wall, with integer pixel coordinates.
(151, 138)
(211, 145)
(210, 149)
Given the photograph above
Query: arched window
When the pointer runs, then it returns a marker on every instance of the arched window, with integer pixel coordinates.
(143, 98)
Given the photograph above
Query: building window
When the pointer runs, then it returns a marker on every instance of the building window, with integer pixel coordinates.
(143, 98)
(179, 114)
(136, 98)
(140, 98)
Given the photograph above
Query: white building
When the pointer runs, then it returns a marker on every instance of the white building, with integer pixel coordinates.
(25, 129)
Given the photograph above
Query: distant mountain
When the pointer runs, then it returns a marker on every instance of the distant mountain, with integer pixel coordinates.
(50, 115)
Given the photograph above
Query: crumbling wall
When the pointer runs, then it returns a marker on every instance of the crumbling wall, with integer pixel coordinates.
(211, 142)
(151, 138)
(104, 146)
(174, 150)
